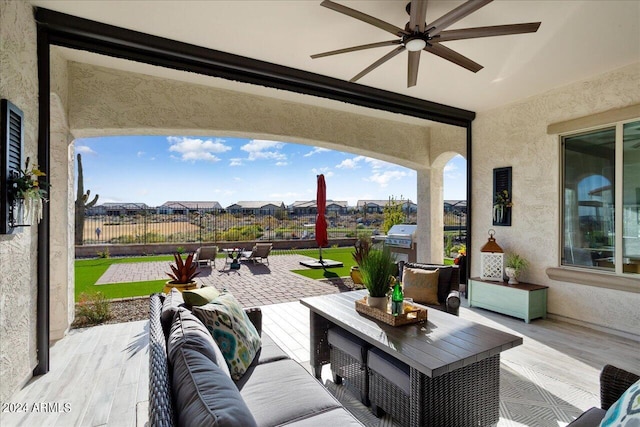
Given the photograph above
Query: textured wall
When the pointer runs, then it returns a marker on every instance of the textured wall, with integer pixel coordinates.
(515, 135)
(19, 84)
(111, 102)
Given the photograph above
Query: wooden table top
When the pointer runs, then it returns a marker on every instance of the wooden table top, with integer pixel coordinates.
(442, 344)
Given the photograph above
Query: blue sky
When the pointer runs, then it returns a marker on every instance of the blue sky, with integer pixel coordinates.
(156, 169)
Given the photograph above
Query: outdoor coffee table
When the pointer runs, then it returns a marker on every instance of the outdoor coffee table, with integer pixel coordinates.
(454, 363)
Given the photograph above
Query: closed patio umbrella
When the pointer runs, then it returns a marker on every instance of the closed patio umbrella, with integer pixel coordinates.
(321, 221)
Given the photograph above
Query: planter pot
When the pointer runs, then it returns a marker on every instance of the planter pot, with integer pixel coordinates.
(377, 302)
(356, 276)
(511, 274)
(179, 286)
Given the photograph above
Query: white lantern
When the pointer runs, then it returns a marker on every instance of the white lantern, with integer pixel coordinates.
(492, 260)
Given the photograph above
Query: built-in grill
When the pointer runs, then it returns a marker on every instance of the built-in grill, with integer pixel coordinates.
(401, 241)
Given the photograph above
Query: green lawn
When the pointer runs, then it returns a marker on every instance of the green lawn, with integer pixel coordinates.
(88, 271)
(338, 254)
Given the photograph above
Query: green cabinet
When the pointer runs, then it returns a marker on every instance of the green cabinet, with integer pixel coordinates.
(524, 300)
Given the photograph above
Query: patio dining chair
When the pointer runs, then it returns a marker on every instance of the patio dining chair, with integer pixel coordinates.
(260, 252)
(206, 255)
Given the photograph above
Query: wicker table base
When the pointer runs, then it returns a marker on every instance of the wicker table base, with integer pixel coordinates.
(454, 364)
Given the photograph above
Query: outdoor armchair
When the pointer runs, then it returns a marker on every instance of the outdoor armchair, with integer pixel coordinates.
(206, 255)
(260, 252)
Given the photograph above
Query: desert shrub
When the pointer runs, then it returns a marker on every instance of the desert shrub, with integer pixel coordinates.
(104, 254)
(92, 309)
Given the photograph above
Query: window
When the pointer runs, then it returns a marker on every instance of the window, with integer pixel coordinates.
(601, 215)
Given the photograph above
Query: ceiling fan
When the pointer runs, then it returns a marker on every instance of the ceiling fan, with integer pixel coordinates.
(417, 35)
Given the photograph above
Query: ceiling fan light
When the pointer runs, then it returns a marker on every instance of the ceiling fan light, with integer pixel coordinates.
(415, 45)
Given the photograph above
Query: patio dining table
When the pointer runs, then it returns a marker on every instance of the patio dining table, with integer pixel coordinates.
(454, 363)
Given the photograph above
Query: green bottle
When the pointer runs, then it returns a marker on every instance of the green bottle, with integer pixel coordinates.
(396, 299)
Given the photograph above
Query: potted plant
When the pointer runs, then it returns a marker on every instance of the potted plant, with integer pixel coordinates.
(362, 247)
(182, 274)
(378, 269)
(514, 264)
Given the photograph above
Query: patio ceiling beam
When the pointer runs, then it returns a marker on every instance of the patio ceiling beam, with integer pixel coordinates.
(79, 33)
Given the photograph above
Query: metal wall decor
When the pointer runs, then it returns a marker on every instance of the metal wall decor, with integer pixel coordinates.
(11, 146)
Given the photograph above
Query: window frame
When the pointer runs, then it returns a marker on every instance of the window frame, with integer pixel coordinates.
(617, 278)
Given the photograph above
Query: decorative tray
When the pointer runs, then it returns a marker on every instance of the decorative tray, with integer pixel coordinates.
(412, 314)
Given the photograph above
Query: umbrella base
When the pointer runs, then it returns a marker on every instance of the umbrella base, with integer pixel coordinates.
(326, 263)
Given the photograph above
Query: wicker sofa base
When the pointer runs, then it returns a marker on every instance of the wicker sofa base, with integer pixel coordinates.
(468, 396)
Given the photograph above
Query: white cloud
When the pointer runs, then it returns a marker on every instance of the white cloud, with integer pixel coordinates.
(316, 150)
(84, 149)
(193, 149)
(260, 149)
(378, 164)
(236, 162)
(141, 153)
(349, 163)
(281, 163)
(385, 177)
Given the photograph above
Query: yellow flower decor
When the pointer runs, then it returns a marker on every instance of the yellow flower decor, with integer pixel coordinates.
(25, 186)
(502, 198)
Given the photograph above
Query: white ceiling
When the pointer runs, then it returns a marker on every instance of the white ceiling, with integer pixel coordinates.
(577, 40)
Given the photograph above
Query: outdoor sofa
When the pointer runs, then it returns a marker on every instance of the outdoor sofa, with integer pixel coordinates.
(448, 284)
(613, 383)
(188, 385)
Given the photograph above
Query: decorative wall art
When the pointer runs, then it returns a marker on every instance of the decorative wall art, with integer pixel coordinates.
(502, 202)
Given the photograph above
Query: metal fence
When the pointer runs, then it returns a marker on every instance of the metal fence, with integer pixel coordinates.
(152, 227)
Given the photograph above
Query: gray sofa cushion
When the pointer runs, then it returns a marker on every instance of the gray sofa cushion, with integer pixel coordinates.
(283, 391)
(170, 306)
(590, 418)
(187, 330)
(203, 394)
(269, 352)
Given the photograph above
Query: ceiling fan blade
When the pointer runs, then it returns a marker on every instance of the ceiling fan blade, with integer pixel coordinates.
(455, 15)
(414, 62)
(496, 30)
(356, 48)
(376, 64)
(453, 56)
(363, 17)
(418, 15)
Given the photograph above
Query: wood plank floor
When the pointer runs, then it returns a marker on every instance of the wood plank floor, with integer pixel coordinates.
(99, 375)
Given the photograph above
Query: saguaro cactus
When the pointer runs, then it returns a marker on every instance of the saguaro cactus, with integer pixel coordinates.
(81, 204)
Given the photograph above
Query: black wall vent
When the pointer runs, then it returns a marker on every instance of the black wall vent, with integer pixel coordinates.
(11, 148)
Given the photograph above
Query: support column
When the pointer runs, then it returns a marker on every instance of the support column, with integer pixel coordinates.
(430, 238)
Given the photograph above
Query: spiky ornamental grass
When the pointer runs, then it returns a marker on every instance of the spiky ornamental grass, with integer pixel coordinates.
(377, 269)
(183, 271)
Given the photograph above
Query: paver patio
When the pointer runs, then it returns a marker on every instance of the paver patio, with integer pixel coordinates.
(276, 282)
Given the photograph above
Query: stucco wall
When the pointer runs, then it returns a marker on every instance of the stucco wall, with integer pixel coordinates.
(516, 135)
(18, 253)
(110, 102)
(61, 274)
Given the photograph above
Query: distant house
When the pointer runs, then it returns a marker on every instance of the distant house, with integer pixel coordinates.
(377, 206)
(184, 207)
(118, 209)
(455, 206)
(311, 207)
(256, 207)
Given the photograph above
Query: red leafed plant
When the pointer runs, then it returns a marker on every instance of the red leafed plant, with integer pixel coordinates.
(183, 272)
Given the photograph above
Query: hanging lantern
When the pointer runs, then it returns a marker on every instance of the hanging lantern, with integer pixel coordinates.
(492, 260)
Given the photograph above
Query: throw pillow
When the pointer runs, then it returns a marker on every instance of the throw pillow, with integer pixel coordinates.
(200, 296)
(626, 411)
(231, 328)
(421, 285)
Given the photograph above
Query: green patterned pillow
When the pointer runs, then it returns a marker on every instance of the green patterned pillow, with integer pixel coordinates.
(626, 411)
(232, 330)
